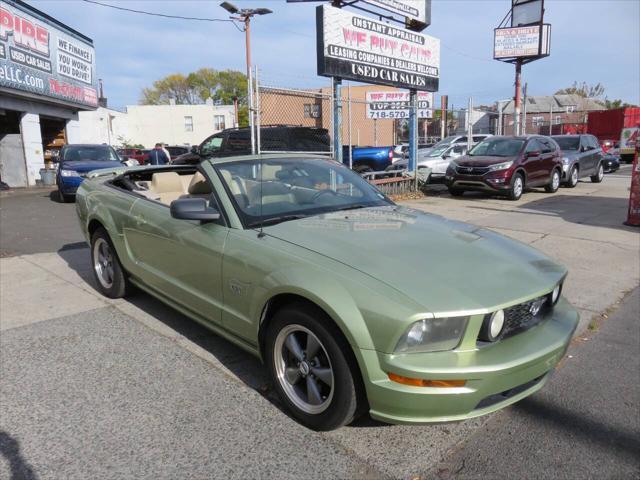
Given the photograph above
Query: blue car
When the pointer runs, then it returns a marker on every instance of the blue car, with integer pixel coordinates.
(76, 161)
(368, 159)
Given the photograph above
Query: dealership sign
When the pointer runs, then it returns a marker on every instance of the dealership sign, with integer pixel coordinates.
(517, 42)
(357, 48)
(419, 10)
(39, 57)
(392, 105)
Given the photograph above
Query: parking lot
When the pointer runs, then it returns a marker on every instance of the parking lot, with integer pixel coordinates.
(92, 388)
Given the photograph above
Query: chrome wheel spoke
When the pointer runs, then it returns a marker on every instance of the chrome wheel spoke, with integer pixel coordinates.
(312, 348)
(325, 375)
(293, 346)
(292, 375)
(313, 392)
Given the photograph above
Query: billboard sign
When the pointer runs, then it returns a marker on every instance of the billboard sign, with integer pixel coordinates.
(526, 12)
(395, 105)
(39, 57)
(418, 10)
(357, 48)
(521, 42)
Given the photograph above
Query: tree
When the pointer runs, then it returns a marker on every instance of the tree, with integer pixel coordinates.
(583, 90)
(611, 104)
(197, 87)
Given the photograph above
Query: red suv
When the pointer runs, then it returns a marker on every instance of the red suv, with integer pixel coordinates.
(141, 156)
(507, 165)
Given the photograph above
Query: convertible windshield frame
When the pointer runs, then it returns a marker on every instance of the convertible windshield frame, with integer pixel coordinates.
(255, 216)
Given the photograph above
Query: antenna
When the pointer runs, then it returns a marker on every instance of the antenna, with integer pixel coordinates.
(257, 135)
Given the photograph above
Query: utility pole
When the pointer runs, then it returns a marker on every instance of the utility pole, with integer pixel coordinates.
(444, 99)
(524, 111)
(469, 123)
(244, 15)
(337, 119)
(516, 115)
(551, 116)
(413, 130)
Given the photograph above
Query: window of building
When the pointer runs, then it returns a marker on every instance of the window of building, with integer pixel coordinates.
(218, 122)
(571, 108)
(558, 120)
(311, 110)
(188, 124)
(537, 121)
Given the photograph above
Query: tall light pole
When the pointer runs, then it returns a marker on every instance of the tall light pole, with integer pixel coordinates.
(244, 15)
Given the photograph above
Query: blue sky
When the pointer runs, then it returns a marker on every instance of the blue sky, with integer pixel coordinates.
(592, 41)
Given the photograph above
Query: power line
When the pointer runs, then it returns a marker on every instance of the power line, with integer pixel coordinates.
(163, 15)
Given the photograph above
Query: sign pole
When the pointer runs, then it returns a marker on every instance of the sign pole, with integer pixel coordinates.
(516, 111)
(413, 129)
(337, 119)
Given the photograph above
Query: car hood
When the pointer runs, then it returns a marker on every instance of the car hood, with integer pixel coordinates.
(88, 165)
(444, 265)
(482, 161)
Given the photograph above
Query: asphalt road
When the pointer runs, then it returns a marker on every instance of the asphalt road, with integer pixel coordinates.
(585, 424)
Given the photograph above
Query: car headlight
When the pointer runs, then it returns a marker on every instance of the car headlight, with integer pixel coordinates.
(69, 173)
(500, 166)
(555, 294)
(492, 326)
(432, 335)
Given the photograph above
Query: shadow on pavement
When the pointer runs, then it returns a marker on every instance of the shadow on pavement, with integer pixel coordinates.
(619, 441)
(10, 450)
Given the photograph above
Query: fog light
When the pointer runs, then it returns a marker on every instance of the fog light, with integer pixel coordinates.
(492, 327)
(419, 382)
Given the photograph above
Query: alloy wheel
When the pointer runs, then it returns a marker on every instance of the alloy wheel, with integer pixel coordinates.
(517, 186)
(574, 176)
(103, 262)
(303, 369)
(555, 180)
(600, 172)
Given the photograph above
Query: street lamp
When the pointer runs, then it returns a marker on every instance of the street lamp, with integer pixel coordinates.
(244, 15)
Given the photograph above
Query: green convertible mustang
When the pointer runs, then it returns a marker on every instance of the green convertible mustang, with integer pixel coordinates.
(355, 304)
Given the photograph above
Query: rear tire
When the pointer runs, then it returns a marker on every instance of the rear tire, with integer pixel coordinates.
(554, 182)
(64, 198)
(517, 187)
(456, 192)
(572, 178)
(597, 178)
(108, 273)
(322, 390)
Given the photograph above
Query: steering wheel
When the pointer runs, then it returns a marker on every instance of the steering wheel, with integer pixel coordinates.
(323, 192)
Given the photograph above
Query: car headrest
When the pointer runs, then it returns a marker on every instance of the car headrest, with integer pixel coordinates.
(199, 185)
(163, 182)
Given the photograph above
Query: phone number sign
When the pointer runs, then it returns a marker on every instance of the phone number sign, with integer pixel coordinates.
(392, 105)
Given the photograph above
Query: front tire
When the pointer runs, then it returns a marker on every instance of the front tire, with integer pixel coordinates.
(108, 273)
(597, 178)
(572, 179)
(517, 187)
(554, 182)
(312, 368)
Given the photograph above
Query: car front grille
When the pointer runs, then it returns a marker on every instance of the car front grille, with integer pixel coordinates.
(472, 170)
(525, 315)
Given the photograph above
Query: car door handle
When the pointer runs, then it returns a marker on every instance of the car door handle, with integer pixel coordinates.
(140, 220)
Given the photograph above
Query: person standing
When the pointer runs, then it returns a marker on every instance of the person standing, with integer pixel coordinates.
(157, 156)
(166, 152)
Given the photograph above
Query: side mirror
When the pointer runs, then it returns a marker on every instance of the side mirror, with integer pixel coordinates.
(584, 148)
(195, 149)
(193, 209)
(533, 154)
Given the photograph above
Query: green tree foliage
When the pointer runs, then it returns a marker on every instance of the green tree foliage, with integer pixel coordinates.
(583, 90)
(196, 87)
(611, 104)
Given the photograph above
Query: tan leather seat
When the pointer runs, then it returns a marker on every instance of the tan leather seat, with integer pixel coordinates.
(167, 185)
(199, 186)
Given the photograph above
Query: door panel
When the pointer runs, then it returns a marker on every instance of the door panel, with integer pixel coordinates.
(180, 258)
(533, 165)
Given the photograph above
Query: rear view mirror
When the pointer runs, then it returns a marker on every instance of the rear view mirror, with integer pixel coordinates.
(193, 209)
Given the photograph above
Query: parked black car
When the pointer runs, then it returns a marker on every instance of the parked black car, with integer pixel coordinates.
(611, 161)
(177, 150)
(581, 157)
(273, 138)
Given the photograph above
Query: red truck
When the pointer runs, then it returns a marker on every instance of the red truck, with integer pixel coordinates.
(141, 156)
(619, 125)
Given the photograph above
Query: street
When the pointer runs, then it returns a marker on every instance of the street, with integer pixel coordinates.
(95, 388)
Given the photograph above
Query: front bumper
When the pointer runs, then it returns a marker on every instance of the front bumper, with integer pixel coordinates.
(69, 185)
(481, 183)
(496, 375)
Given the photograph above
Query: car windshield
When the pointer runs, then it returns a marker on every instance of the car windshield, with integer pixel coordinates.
(279, 189)
(438, 151)
(445, 141)
(568, 143)
(98, 153)
(497, 147)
